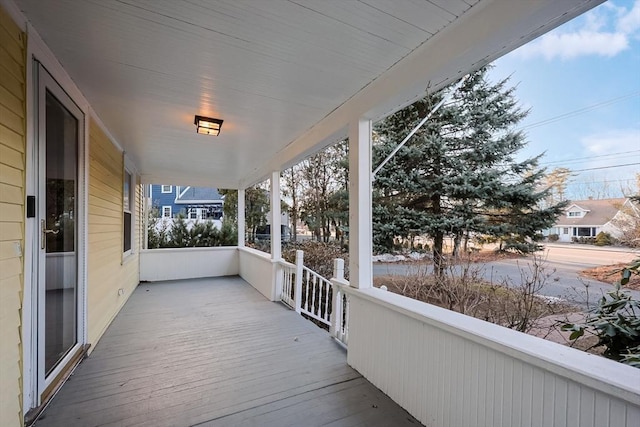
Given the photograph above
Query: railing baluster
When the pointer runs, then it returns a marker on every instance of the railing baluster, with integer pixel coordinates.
(312, 308)
(327, 288)
(307, 285)
(345, 335)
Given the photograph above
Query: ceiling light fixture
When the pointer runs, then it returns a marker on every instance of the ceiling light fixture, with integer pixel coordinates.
(207, 125)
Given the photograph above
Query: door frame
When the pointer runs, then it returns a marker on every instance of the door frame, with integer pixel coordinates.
(39, 54)
(46, 83)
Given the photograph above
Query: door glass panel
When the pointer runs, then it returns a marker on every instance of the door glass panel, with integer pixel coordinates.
(61, 268)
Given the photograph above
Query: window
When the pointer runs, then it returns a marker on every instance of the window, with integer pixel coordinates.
(127, 201)
(166, 212)
(574, 214)
(193, 214)
(586, 232)
(166, 189)
(565, 230)
(203, 214)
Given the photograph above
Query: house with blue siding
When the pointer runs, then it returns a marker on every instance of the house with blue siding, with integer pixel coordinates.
(192, 203)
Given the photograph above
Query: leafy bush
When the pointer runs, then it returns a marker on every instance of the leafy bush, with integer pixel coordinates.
(554, 237)
(615, 322)
(603, 239)
(318, 256)
(179, 235)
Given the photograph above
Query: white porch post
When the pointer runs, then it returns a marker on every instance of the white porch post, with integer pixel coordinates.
(146, 199)
(360, 231)
(274, 218)
(297, 292)
(241, 220)
(276, 249)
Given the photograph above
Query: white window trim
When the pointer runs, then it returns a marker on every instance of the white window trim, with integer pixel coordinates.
(181, 193)
(169, 191)
(163, 212)
(131, 209)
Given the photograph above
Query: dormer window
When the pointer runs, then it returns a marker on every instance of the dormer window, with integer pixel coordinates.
(575, 214)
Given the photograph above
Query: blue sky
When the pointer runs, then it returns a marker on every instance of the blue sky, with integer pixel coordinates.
(592, 64)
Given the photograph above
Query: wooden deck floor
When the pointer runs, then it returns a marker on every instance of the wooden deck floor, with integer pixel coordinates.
(214, 352)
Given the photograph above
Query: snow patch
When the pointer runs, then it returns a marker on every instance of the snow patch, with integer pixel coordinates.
(413, 256)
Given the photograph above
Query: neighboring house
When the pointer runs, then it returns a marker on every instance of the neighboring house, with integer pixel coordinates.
(586, 218)
(193, 203)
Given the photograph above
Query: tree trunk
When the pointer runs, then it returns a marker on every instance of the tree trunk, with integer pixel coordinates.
(438, 259)
(456, 245)
(438, 238)
(466, 242)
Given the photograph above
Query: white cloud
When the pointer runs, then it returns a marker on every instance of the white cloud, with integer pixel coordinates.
(630, 23)
(614, 141)
(605, 31)
(581, 43)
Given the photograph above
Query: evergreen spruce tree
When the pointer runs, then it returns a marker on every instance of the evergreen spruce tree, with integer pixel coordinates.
(458, 175)
(179, 236)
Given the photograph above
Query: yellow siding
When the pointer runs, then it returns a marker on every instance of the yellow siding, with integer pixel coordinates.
(12, 195)
(107, 271)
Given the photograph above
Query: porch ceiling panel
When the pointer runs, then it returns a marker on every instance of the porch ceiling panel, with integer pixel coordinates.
(273, 70)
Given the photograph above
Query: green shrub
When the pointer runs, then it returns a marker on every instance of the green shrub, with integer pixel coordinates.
(554, 237)
(603, 239)
(615, 322)
(179, 235)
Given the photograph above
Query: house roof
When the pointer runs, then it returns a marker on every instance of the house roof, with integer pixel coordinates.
(198, 194)
(599, 212)
(287, 77)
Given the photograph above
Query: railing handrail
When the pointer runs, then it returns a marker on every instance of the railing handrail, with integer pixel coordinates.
(304, 267)
(286, 264)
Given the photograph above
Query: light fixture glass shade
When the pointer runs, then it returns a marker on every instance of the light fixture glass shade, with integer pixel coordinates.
(207, 125)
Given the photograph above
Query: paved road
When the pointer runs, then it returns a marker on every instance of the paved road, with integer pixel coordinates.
(562, 265)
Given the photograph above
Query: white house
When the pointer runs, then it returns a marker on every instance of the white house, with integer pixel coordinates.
(586, 218)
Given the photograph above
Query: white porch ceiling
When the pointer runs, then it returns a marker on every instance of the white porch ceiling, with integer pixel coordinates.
(285, 76)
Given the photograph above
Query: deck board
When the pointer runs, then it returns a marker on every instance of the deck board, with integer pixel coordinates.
(214, 352)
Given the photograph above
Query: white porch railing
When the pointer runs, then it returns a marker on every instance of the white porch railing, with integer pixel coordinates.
(339, 327)
(288, 283)
(315, 298)
(320, 299)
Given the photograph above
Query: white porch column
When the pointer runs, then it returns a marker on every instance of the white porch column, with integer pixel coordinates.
(146, 199)
(360, 229)
(241, 219)
(274, 216)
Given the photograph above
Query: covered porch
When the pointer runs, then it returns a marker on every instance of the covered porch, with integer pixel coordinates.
(216, 352)
(208, 342)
